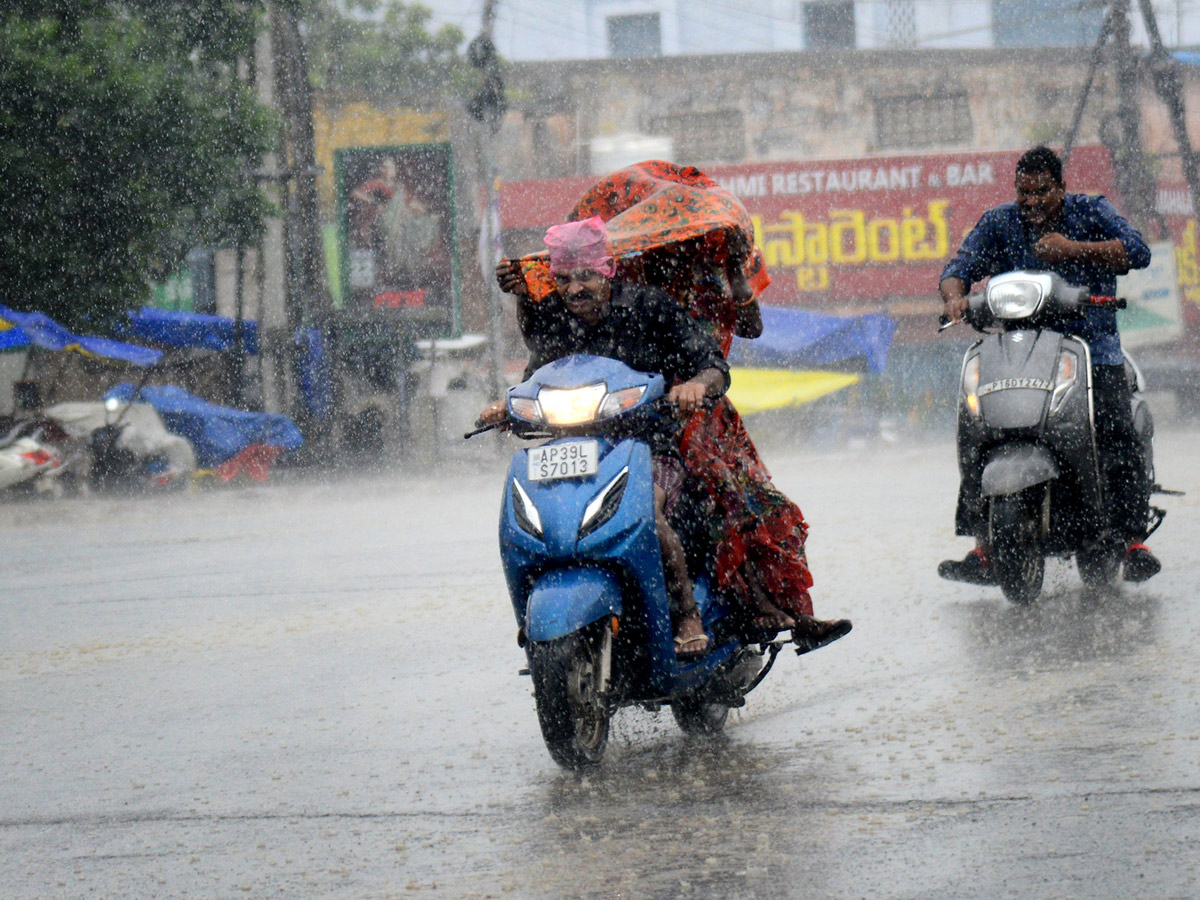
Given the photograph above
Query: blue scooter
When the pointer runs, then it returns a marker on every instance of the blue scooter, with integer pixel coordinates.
(581, 556)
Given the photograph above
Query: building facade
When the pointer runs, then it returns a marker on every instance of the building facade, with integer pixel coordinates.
(580, 117)
(530, 30)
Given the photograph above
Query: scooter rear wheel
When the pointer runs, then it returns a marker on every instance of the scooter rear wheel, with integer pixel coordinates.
(569, 691)
(1099, 566)
(1016, 553)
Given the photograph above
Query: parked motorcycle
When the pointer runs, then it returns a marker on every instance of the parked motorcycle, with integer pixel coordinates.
(581, 556)
(31, 451)
(1027, 438)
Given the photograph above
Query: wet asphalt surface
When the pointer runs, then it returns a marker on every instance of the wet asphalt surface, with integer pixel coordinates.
(310, 690)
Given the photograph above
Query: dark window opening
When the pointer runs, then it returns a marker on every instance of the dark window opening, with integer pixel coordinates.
(1046, 23)
(634, 36)
(921, 121)
(828, 25)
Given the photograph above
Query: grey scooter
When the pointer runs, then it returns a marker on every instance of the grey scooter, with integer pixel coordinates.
(1027, 439)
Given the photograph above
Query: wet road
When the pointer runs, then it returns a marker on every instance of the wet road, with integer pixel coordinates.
(310, 690)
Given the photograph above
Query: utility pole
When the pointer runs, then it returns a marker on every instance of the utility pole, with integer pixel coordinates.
(1121, 133)
(1164, 71)
(1132, 174)
(308, 299)
(1106, 31)
(487, 108)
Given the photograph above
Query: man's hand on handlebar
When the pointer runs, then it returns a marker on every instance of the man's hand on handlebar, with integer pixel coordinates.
(495, 414)
(954, 309)
(954, 300)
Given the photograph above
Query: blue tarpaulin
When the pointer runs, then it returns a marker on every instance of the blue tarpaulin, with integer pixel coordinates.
(172, 328)
(799, 339)
(316, 378)
(18, 329)
(217, 433)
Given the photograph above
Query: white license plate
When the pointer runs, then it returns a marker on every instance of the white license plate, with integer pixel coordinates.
(573, 459)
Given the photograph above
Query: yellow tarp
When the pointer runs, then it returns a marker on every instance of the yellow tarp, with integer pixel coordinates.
(757, 390)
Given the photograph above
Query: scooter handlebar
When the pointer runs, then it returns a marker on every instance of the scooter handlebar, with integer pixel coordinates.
(480, 428)
(979, 316)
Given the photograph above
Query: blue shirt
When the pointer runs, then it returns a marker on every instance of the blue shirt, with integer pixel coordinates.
(1001, 242)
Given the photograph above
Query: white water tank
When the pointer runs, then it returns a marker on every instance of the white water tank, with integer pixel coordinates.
(617, 151)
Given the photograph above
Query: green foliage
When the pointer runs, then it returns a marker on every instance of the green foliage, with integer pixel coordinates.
(125, 138)
(384, 50)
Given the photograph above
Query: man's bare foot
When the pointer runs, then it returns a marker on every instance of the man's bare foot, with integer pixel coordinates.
(690, 639)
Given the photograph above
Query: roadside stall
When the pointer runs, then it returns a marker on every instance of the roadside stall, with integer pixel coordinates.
(42, 445)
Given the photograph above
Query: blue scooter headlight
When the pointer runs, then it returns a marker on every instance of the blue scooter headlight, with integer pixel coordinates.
(571, 406)
(617, 402)
(526, 408)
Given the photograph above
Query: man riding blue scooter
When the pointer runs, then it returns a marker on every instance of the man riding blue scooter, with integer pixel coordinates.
(1087, 242)
(643, 328)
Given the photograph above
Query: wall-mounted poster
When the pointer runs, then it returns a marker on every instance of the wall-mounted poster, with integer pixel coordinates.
(396, 222)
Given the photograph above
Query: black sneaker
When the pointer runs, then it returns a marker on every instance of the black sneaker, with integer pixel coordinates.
(972, 569)
(1140, 564)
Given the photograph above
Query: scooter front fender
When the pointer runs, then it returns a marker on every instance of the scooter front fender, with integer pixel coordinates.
(1014, 467)
(565, 600)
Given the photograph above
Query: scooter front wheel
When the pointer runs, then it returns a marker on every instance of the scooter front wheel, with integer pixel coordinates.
(694, 715)
(1016, 553)
(568, 686)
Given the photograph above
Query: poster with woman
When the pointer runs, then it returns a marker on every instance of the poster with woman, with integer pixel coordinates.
(396, 229)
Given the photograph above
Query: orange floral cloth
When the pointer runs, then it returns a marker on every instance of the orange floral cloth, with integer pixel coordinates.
(653, 205)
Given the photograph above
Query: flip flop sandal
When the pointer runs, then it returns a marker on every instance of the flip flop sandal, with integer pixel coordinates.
(681, 645)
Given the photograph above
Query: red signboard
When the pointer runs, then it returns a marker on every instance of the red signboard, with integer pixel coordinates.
(845, 233)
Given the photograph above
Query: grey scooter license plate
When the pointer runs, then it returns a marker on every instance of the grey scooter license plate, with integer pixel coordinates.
(1007, 384)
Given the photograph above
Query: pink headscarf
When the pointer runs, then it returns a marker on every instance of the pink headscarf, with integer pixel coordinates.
(580, 245)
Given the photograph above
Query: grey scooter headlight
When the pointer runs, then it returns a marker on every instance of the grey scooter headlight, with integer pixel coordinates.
(970, 384)
(1018, 295)
(1064, 379)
